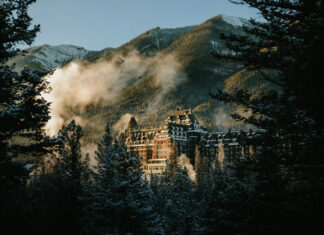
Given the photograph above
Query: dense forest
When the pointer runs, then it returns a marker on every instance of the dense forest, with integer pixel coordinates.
(279, 190)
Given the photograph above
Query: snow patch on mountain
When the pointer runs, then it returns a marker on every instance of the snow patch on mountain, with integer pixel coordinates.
(46, 57)
(50, 57)
(235, 21)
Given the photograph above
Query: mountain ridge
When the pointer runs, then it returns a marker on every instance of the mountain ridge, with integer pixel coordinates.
(195, 73)
(46, 57)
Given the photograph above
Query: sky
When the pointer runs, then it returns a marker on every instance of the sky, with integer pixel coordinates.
(97, 24)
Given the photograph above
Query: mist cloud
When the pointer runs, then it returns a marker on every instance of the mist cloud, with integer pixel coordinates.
(168, 75)
(184, 162)
(77, 86)
(121, 125)
(223, 118)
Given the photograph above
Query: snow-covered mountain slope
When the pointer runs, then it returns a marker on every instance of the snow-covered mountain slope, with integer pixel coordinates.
(235, 21)
(47, 57)
(171, 68)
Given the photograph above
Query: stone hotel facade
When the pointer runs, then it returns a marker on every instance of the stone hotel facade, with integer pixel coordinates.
(181, 130)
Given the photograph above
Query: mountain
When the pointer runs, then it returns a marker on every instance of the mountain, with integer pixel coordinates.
(46, 57)
(175, 69)
(191, 46)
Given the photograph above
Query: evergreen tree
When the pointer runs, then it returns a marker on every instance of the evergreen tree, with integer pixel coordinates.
(221, 155)
(103, 157)
(226, 205)
(281, 50)
(15, 23)
(69, 163)
(197, 160)
(122, 199)
(98, 194)
(178, 211)
(203, 175)
(173, 161)
(174, 198)
(71, 173)
(24, 112)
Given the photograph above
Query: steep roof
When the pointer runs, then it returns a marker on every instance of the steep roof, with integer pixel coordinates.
(132, 123)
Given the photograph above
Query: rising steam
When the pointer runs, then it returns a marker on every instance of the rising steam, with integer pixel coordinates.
(169, 75)
(223, 119)
(184, 162)
(78, 85)
(121, 125)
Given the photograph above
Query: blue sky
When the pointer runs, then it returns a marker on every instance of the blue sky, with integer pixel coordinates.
(97, 24)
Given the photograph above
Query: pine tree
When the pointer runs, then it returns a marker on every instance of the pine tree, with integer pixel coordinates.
(72, 172)
(282, 52)
(174, 197)
(173, 161)
(103, 157)
(221, 155)
(226, 205)
(69, 162)
(24, 112)
(197, 159)
(203, 179)
(98, 194)
(131, 197)
(179, 209)
(15, 23)
(122, 199)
